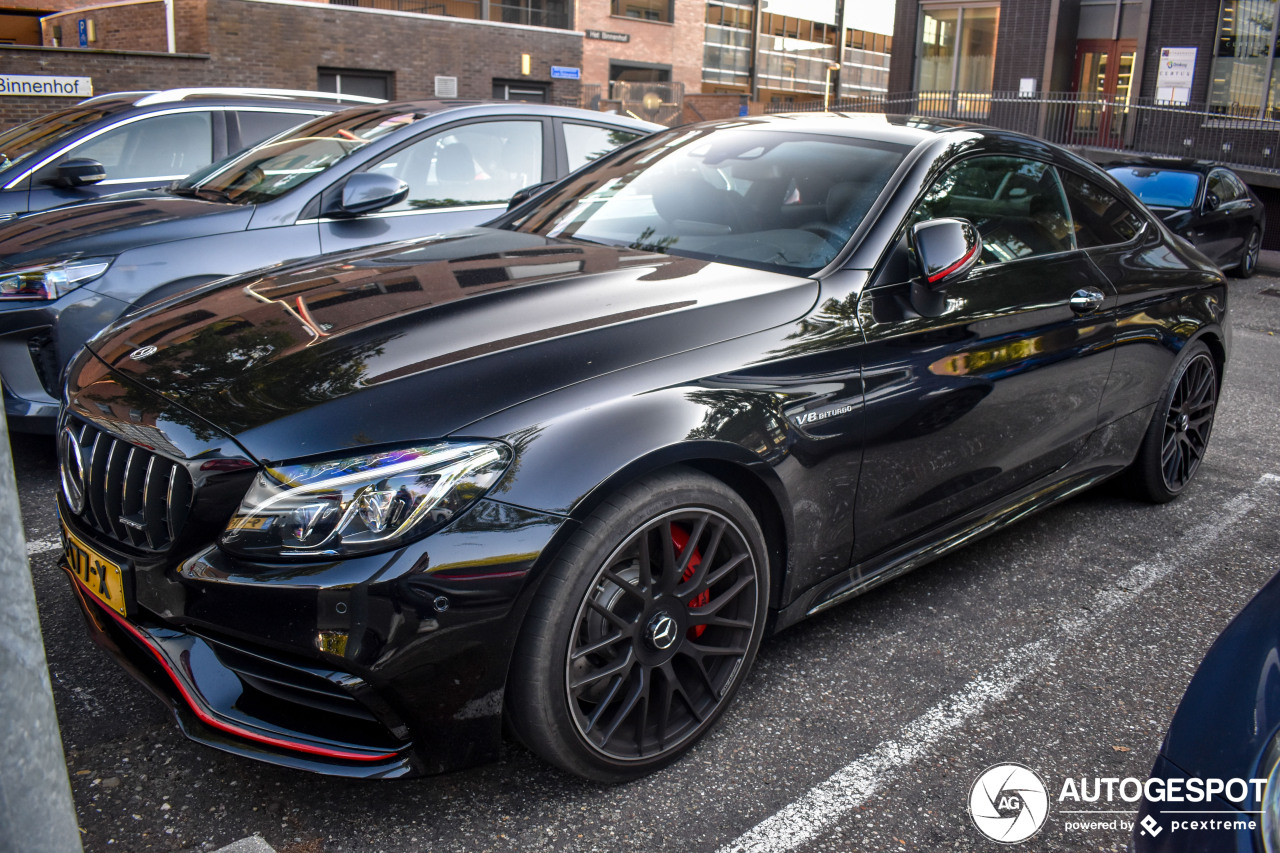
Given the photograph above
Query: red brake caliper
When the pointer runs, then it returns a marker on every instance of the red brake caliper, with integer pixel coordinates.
(680, 538)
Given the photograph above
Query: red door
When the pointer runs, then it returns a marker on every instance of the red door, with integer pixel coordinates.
(1103, 82)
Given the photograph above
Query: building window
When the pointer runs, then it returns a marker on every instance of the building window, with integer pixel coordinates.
(1244, 75)
(956, 49)
(351, 81)
(645, 10)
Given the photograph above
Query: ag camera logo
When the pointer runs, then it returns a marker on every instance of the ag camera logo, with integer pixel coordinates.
(1008, 803)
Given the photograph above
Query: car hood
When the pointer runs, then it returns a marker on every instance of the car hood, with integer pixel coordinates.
(114, 224)
(418, 340)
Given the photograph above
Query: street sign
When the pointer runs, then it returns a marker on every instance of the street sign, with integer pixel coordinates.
(82, 26)
(565, 72)
(52, 87)
(605, 35)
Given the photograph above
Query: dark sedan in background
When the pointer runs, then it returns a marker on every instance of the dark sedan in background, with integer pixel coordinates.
(1208, 205)
(363, 176)
(1226, 727)
(569, 469)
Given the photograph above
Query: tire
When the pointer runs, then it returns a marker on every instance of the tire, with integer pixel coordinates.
(618, 670)
(1249, 258)
(1178, 435)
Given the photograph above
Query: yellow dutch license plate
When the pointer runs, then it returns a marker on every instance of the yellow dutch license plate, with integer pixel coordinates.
(98, 575)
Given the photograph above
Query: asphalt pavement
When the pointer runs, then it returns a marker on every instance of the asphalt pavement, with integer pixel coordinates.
(1063, 643)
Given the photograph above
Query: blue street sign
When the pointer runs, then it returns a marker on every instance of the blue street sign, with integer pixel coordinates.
(83, 26)
(564, 72)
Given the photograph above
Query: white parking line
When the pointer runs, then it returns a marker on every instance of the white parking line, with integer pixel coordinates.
(854, 784)
(43, 546)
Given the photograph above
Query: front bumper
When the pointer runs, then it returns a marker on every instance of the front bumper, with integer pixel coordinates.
(378, 667)
(37, 339)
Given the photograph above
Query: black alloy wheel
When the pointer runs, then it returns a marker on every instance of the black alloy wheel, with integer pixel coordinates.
(642, 632)
(1178, 435)
(1249, 257)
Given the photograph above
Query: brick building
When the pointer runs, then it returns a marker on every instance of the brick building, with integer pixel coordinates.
(639, 56)
(292, 45)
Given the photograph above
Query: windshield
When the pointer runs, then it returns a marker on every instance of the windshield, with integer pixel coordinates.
(19, 143)
(772, 199)
(1159, 187)
(275, 167)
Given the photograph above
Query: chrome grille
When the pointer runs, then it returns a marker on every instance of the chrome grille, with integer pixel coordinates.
(133, 495)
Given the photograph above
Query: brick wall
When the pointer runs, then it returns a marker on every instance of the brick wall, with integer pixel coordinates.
(133, 26)
(706, 107)
(281, 45)
(902, 62)
(110, 70)
(677, 44)
(1181, 23)
(1022, 42)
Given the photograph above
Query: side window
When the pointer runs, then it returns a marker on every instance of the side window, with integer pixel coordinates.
(586, 142)
(482, 163)
(1223, 185)
(256, 125)
(165, 146)
(1099, 218)
(1017, 205)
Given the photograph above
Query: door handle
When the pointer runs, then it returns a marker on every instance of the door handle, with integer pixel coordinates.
(1085, 300)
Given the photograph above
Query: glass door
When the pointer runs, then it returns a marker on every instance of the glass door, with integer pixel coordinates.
(1103, 86)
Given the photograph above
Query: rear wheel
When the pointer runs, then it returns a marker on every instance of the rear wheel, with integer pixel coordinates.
(1249, 258)
(644, 628)
(1178, 435)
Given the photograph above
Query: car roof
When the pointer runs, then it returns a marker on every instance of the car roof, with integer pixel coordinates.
(466, 108)
(232, 95)
(908, 130)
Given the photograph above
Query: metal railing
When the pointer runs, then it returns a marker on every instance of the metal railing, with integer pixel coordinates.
(1135, 125)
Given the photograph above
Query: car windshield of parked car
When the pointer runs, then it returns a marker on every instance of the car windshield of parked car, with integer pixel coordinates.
(1159, 187)
(278, 165)
(19, 143)
(773, 199)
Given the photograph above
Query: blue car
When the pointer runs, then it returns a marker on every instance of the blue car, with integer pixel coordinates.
(1224, 739)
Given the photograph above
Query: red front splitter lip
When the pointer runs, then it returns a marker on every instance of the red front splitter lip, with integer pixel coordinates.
(193, 702)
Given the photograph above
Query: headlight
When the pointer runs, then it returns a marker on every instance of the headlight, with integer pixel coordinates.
(361, 504)
(49, 281)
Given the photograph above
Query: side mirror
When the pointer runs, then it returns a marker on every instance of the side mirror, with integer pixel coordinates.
(1211, 202)
(79, 172)
(946, 248)
(527, 193)
(366, 192)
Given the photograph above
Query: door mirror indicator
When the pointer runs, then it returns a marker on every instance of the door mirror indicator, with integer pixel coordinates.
(946, 249)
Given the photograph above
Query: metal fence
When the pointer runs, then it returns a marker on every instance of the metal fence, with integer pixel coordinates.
(1137, 125)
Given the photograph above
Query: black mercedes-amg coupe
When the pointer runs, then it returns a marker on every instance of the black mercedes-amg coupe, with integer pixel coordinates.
(567, 470)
